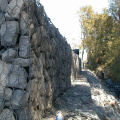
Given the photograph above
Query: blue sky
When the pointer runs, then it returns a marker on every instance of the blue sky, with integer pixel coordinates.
(63, 14)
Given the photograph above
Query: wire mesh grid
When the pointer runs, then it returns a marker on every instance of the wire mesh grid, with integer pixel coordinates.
(15, 60)
(16, 57)
(33, 56)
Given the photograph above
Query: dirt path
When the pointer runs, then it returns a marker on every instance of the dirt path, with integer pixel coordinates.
(88, 99)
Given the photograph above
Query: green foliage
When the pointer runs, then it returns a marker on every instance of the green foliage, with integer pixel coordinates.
(102, 39)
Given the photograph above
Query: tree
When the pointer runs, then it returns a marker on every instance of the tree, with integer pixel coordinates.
(102, 38)
(115, 9)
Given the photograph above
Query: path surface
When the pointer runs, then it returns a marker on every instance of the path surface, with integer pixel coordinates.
(88, 99)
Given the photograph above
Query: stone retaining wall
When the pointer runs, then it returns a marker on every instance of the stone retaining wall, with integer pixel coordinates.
(76, 67)
(35, 61)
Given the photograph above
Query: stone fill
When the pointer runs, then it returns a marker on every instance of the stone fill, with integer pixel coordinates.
(36, 62)
(9, 33)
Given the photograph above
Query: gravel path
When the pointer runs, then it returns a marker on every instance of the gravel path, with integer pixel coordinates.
(88, 99)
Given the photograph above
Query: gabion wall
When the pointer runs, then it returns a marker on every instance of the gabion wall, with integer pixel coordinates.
(35, 61)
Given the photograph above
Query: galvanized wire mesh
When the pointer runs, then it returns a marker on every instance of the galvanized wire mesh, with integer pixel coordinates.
(14, 60)
(35, 61)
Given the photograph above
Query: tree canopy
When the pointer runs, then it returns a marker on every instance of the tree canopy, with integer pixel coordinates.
(102, 37)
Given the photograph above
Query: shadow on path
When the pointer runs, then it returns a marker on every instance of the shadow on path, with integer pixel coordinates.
(87, 99)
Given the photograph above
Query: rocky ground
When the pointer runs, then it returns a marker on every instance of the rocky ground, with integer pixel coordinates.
(87, 99)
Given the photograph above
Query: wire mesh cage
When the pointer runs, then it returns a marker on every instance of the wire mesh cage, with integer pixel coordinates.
(14, 60)
(35, 60)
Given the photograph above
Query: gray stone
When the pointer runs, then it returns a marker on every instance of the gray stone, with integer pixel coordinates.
(36, 38)
(96, 92)
(8, 94)
(34, 88)
(17, 77)
(3, 5)
(41, 87)
(22, 62)
(42, 102)
(47, 77)
(4, 71)
(2, 18)
(100, 111)
(44, 39)
(0, 41)
(1, 105)
(12, 76)
(22, 114)
(8, 103)
(40, 38)
(31, 27)
(32, 7)
(1, 52)
(9, 33)
(24, 23)
(37, 51)
(9, 55)
(7, 114)
(75, 68)
(48, 63)
(43, 32)
(24, 99)
(16, 98)
(118, 104)
(107, 107)
(110, 113)
(24, 47)
(2, 91)
(48, 88)
(13, 10)
(40, 15)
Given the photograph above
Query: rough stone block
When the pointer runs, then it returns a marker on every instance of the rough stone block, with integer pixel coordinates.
(40, 15)
(34, 88)
(12, 76)
(41, 86)
(48, 88)
(24, 23)
(47, 77)
(4, 71)
(2, 91)
(2, 18)
(36, 38)
(13, 10)
(24, 47)
(3, 5)
(24, 99)
(7, 114)
(9, 55)
(1, 105)
(22, 62)
(8, 94)
(31, 27)
(16, 99)
(17, 78)
(22, 114)
(9, 33)
(32, 6)
(42, 103)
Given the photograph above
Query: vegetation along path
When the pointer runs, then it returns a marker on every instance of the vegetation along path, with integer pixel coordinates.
(88, 99)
